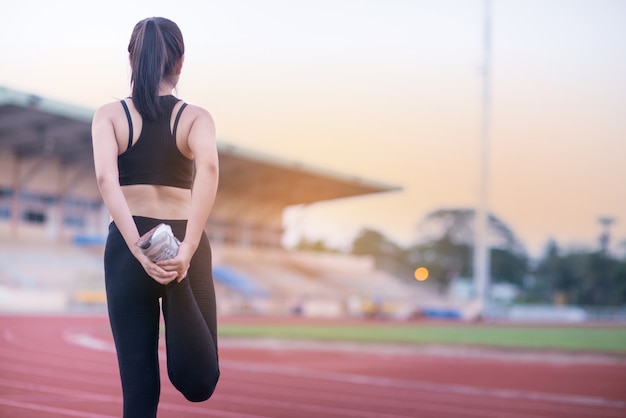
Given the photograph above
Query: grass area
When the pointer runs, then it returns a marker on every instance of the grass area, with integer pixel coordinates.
(597, 339)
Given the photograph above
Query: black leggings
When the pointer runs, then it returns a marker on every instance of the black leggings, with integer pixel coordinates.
(190, 323)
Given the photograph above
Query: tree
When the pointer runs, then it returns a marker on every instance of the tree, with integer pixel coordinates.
(444, 259)
(370, 242)
(580, 278)
(317, 246)
(447, 242)
(387, 255)
(458, 225)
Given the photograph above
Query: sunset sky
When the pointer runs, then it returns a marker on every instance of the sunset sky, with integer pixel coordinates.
(385, 90)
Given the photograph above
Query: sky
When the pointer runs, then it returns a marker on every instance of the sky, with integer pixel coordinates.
(390, 91)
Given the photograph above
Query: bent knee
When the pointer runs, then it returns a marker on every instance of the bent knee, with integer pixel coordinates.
(199, 394)
(202, 391)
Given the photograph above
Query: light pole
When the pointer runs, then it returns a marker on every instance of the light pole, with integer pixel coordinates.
(481, 247)
(605, 237)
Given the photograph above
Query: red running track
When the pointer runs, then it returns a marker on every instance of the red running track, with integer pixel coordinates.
(65, 366)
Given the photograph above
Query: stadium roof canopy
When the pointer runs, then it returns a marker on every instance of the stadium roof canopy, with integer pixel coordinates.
(254, 188)
(32, 126)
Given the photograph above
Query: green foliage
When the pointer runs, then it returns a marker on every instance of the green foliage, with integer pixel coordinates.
(371, 242)
(592, 278)
(447, 247)
(387, 255)
(447, 250)
(444, 260)
(581, 278)
(509, 267)
(317, 246)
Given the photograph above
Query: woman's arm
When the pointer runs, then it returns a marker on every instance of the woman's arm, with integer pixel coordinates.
(105, 152)
(202, 143)
(203, 146)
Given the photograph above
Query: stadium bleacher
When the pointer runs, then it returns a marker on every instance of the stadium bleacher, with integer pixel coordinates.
(52, 277)
(45, 277)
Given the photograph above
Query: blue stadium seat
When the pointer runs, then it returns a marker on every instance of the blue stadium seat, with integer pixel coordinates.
(238, 282)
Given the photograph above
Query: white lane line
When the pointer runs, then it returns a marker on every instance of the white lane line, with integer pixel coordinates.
(88, 341)
(423, 385)
(56, 390)
(404, 384)
(252, 395)
(319, 410)
(52, 409)
(188, 409)
(92, 378)
(80, 394)
(409, 401)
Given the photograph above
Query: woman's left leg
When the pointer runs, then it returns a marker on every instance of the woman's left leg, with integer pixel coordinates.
(133, 308)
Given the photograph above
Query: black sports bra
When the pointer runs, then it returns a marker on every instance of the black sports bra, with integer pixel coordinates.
(155, 157)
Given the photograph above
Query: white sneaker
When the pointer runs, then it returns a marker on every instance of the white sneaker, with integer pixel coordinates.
(159, 243)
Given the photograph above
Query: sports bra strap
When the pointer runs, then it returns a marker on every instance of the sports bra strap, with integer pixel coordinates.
(130, 124)
(180, 111)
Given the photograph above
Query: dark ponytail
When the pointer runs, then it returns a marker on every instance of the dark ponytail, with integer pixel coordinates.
(156, 47)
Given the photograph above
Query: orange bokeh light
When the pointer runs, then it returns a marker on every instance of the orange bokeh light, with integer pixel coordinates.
(421, 273)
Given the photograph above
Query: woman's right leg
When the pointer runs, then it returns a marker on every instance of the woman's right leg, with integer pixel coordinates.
(191, 330)
(133, 306)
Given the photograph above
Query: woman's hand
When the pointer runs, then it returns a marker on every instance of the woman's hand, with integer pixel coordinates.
(159, 274)
(179, 264)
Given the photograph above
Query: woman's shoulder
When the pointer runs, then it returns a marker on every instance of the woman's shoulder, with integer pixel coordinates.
(197, 111)
(196, 120)
(109, 109)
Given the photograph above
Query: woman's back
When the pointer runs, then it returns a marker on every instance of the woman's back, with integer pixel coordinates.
(143, 193)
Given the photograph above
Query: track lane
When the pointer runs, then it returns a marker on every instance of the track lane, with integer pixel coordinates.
(66, 366)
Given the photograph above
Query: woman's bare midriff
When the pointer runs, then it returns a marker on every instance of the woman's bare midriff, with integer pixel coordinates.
(161, 202)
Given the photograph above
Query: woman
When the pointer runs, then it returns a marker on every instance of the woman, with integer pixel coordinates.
(156, 162)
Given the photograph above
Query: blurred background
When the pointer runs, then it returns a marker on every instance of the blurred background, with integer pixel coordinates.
(352, 138)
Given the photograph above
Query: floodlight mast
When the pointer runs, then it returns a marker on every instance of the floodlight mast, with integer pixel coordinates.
(481, 246)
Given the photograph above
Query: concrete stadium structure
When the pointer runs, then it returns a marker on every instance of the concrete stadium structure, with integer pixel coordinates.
(53, 223)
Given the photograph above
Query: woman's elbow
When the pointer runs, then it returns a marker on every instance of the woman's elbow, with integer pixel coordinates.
(209, 169)
(105, 182)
